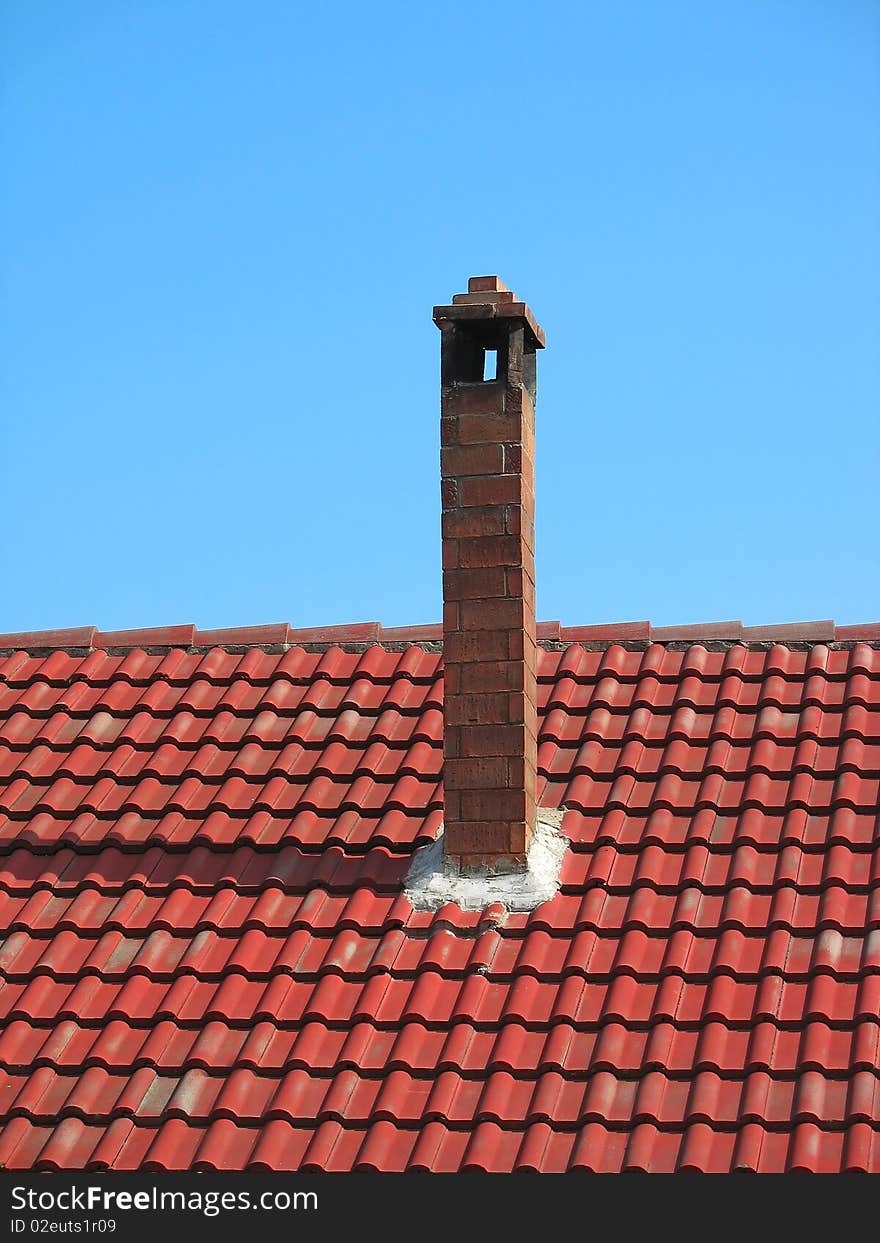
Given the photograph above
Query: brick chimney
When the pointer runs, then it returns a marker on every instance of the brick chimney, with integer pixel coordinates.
(488, 384)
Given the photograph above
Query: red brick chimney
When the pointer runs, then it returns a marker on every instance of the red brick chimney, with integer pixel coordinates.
(488, 490)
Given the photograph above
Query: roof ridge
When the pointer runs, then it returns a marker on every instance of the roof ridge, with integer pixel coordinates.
(282, 634)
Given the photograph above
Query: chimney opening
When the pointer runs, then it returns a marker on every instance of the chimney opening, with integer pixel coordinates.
(490, 365)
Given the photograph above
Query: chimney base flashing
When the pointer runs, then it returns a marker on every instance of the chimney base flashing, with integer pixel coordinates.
(434, 879)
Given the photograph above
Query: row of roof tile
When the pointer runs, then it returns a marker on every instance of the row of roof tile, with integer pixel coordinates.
(277, 1145)
(345, 745)
(709, 866)
(303, 1097)
(167, 1048)
(834, 906)
(172, 762)
(163, 955)
(765, 828)
(335, 666)
(439, 1000)
(322, 705)
(366, 799)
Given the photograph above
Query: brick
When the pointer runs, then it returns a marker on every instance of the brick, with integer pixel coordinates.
(451, 617)
(493, 675)
(485, 459)
(516, 707)
(451, 804)
(449, 554)
(489, 428)
(486, 837)
(516, 775)
(452, 742)
(476, 772)
(478, 840)
(448, 432)
(462, 524)
(530, 785)
(520, 835)
(528, 592)
(449, 493)
(475, 399)
(491, 490)
(475, 584)
(519, 582)
(521, 523)
(482, 863)
(492, 284)
(443, 315)
(507, 863)
(484, 550)
(522, 775)
(464, 646)
(520, 311)
(506, 740)
(497, 804)
(530, 657)
(526, 438)
(527, 494)
(482, 709)
(519, 401)
(485, 295)
(491, 614)
(517, 458)
(530, 713)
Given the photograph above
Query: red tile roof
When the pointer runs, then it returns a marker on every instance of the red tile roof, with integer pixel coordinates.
(210, 962)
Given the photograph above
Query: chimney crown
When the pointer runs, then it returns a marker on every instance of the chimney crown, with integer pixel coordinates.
(488, 298)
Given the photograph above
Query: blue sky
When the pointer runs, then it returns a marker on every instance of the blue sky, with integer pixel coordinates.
(223, 228)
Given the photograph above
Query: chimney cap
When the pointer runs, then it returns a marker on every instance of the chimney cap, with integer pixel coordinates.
(488, 297)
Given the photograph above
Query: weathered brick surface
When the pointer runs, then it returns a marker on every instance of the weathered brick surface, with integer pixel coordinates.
(482, 551)
(475, 584)
(478, 403)
(493, 613)
(486, 295)
(473, 459)
(463, 523)
(488, 487)
(489, 283)
(493, 838)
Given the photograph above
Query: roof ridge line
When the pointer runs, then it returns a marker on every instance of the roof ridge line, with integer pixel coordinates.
(368, 634)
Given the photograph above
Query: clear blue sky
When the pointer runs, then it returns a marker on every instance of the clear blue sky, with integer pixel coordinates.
(224, 225)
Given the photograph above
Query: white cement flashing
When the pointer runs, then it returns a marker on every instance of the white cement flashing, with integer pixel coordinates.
(432, 882)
